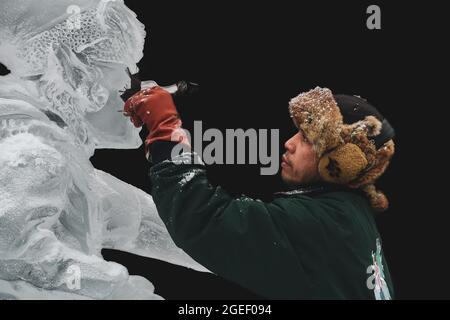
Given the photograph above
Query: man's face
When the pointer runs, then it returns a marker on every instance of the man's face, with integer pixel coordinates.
(299, 164)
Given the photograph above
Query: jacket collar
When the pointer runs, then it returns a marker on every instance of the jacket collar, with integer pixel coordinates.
(310, 190)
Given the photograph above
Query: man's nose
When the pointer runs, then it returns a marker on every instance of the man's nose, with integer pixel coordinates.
(289, 145)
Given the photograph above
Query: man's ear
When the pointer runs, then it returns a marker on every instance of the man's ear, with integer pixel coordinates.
(343, 164)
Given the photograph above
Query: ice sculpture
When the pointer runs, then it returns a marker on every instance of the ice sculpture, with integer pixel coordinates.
(59, 104)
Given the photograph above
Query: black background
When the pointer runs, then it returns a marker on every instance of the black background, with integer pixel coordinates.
(250, 58)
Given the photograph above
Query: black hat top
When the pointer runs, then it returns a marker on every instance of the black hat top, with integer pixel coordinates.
(355, 108)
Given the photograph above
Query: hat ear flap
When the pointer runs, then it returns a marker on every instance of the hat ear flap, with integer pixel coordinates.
(342, 164)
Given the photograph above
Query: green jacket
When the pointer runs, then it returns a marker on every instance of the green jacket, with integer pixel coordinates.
(321, 245)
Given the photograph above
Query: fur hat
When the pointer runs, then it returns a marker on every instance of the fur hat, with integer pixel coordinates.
(352, 139)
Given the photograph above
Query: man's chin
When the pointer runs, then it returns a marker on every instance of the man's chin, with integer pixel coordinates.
(288, 182)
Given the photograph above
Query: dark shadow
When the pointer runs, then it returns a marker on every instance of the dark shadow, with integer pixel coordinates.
(175, 282)
(4, 70)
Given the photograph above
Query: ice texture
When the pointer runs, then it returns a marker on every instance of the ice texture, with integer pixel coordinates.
(58, 105)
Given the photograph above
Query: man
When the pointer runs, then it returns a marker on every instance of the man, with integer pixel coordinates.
(316, 242)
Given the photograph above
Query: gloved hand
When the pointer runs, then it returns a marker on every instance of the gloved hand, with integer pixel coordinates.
(156, 109)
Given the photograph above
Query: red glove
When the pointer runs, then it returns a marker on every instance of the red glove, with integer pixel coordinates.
(155, 108)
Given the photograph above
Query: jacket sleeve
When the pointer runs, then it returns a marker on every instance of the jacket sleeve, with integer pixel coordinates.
(241, 239)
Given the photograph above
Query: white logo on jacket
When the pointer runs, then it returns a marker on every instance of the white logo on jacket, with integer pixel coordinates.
(376, 281)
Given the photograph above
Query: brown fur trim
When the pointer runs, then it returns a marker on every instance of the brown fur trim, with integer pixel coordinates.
(343, 164)
(374, 171)
(377, 199)
(359, 132)
(371, 126)
(316, 113)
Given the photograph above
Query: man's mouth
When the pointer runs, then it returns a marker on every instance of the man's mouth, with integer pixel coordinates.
(284, 161)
